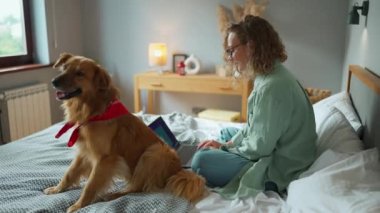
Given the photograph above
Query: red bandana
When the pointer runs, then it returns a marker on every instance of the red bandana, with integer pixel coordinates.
(114, 110)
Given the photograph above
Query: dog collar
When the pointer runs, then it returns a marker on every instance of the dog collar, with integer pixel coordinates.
(114, 110)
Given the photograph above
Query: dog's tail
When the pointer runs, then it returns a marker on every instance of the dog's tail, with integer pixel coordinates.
(188, 185)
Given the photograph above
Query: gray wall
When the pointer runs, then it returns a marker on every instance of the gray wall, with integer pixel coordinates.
(363, 48)
(117, 34)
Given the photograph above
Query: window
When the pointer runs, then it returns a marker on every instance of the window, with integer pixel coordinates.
(15, 33)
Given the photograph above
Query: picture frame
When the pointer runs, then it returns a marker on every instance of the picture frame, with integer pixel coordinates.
(178, 57)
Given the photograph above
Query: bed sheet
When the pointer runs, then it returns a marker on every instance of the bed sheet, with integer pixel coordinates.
(336, 182)
(30, 165)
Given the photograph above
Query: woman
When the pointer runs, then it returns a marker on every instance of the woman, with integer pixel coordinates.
(278, 141)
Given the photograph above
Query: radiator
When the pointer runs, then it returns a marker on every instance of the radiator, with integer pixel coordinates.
(24, 111)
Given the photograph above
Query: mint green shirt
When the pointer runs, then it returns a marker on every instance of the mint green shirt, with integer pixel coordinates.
(279, 138)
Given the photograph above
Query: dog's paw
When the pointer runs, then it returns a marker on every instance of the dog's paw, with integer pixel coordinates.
(51, 190)
(73, 208)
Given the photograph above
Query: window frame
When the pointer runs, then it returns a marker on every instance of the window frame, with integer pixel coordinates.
(10, 61)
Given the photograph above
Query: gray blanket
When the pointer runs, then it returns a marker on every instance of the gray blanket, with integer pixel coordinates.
(30, 165)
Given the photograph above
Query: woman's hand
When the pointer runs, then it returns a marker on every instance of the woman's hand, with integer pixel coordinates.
(209, 144)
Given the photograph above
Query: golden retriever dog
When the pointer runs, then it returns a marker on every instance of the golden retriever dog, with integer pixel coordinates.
(118, 147)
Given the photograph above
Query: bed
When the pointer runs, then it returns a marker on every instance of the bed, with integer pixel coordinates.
(344, 178)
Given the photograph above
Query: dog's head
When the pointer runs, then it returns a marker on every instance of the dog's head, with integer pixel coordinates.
(79, 77)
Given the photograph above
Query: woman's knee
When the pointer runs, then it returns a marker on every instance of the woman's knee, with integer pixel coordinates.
(202, 164)
(216, 166)
(199, 159)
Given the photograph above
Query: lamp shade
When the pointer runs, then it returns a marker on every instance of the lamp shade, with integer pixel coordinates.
(354, 16)
(157, 54)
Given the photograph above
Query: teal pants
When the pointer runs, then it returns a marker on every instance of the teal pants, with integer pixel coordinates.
(218, 167)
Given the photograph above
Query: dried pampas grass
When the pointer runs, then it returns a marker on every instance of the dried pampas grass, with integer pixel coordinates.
(251, 7)
(223, 19)
(256, 9)
(238, 12)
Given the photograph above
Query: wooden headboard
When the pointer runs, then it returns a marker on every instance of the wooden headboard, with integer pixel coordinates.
(365, 95)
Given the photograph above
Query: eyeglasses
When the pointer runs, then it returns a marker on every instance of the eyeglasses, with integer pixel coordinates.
(231, 50)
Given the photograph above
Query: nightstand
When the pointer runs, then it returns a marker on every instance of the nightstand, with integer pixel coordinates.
(201, 83)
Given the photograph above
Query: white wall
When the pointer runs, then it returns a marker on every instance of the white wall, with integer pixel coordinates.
(117, 34)
(363, 41)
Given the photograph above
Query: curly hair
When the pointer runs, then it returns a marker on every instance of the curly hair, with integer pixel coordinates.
(264, 42)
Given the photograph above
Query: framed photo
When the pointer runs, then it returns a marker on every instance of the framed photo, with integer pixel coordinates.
(178, 57)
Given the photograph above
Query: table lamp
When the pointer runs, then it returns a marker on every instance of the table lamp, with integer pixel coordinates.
(157, 55)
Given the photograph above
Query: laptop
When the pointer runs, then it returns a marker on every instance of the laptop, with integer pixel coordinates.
(184, 151)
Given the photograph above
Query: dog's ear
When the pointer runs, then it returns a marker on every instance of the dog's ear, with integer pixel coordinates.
(102, 79)
(62, 59)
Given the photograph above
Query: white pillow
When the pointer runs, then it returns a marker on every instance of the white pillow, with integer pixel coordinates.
(336, 133)
(343, 103)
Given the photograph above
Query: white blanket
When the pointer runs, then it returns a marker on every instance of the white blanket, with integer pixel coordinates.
(262, 203)
(336, 182)
(348, 185)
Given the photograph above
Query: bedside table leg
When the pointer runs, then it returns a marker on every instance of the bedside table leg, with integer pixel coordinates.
(247, 89)
(137, 100)
(243, 117)
(137, 94)
(150, 102)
